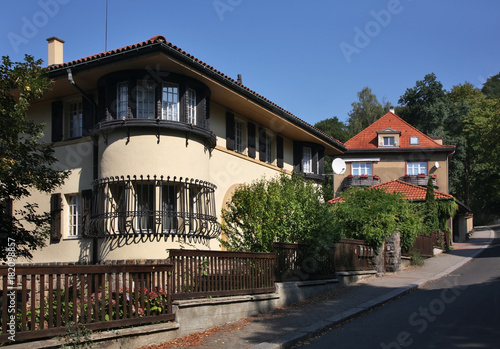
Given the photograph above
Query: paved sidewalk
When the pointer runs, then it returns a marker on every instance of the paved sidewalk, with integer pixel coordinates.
(285, 327)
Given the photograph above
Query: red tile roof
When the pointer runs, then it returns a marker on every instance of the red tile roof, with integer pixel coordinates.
(410, 191)
(160, 40)
(367, 139)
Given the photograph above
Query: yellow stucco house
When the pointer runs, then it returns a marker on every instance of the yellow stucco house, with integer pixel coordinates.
(156, 141)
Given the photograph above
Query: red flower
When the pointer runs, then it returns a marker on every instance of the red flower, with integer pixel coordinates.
(421, 175)
(376, 177)
(350, 176)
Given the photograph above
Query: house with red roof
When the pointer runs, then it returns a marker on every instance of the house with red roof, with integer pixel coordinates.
(156, 141)
(462, 223)
(394, 155)
(390, 149)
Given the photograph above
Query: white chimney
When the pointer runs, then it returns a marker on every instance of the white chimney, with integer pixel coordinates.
(55, 50)
(391, 109)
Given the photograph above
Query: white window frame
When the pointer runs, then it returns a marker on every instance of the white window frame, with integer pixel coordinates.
(122, 100)
(416, 168)
(307, 159)
(145, 100)
(361, 168)
(388, 138)
(74, 222)
(170, 102)
(191, 106)
(414, 140)
(75, 119)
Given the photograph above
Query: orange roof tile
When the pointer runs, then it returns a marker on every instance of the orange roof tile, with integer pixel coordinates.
(410, 191)
(367, 139)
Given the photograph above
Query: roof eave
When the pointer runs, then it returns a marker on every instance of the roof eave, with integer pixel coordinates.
(197, 64)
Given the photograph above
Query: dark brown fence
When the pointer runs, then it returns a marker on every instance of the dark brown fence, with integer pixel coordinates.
(44, 300)
(352, 255)
(424, 244)
(218, 273)
(298, 262)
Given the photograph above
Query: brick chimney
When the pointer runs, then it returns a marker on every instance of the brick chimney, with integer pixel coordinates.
(55, 50)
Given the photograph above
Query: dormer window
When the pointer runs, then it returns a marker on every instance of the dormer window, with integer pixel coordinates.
(388, 138)
(389, 141)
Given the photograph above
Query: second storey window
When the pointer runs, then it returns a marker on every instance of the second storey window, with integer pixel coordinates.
(75, 120)
(416, 168)
(361, 168)
(170, 103)
(238, 136)
(307, 160)
(191, 106)
(122, 100)
(269, 149)
(145, 100)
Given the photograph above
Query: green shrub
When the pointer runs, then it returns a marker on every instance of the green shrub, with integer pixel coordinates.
(282, 209)
(372, 214)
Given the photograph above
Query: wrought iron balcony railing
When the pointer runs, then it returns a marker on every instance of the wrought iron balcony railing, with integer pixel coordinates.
(151, 205)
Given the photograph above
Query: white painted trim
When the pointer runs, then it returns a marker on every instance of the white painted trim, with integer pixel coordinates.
(363, 160)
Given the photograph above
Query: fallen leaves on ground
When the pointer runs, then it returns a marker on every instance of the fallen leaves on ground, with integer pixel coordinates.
(197, 339)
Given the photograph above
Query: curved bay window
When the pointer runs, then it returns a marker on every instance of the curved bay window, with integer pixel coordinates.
(154, 205)
(153, 98)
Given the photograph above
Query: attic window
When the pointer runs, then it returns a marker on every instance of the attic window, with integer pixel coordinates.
(413, 140)
(389, 141)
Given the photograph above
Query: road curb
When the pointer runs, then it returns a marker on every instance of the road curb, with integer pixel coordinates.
(293, 338)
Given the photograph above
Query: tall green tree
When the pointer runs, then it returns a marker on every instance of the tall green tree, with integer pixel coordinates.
(426, 106)
(365, 111)
(431, 208)
(334, 128)
(25, 161)
(491, 88)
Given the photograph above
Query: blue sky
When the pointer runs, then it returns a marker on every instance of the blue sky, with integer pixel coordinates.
(309, 57)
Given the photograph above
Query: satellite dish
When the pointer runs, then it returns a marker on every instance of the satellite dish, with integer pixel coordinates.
(338, 166)
(436, 164)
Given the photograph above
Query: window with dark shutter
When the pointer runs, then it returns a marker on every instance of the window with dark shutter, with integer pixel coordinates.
(57, 121)
(297, 156)
(55, 212)
(321, 160)
(262, 144)
(86, 211)
(230, 131)
(251, 140)
(279, 151)
(88, 116)
(315, 161)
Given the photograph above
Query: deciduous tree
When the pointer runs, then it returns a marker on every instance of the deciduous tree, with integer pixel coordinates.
(25, 161)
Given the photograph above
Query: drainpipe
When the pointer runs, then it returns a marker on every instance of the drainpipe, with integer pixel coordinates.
(94, 153)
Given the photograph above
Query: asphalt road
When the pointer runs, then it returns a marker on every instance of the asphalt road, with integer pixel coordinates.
(458, 311)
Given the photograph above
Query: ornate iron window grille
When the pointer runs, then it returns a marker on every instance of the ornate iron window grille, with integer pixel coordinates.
(152, 205)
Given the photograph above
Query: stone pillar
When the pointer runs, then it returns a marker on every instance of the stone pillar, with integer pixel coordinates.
(393, 253)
